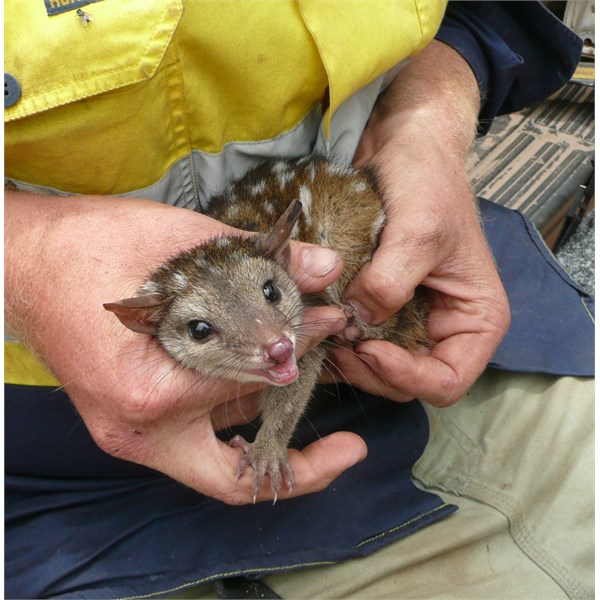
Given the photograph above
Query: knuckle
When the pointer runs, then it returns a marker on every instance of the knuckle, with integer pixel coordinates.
(499, 314)
(136, 402)
(143, 405)
(384, 289)
(449, 391)
(115, 442)
(234, 498)
(504, 317)
(429, 231)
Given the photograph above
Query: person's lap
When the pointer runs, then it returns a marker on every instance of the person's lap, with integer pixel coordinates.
(516, 455)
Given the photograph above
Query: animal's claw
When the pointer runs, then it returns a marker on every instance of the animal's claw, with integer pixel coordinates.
(265, 460)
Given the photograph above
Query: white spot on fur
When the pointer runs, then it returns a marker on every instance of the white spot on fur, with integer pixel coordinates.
(258, 188)
(377, 226)
(223, 242)
(335, 169)
(269, 208)
(149, 288)
(232, 211)
(312, 171)
(323, 231)
(280, 167)
(180, 279)
(358, 186)
(282, 172)
(284, 178)
(305, 196)
(229, 193)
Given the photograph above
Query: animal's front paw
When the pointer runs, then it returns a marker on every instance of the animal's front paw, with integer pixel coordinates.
(265, 459)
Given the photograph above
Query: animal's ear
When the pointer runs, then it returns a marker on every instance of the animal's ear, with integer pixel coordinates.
(141, 314)
(276, 244)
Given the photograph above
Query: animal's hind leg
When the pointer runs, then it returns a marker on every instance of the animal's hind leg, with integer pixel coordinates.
(357, 330)
(407, 328)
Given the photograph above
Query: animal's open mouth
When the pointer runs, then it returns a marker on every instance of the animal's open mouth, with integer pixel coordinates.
(280, 374)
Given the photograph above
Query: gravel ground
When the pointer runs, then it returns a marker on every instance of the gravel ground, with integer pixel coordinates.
(577, 255)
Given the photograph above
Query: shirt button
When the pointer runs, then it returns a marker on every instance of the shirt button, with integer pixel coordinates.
(12, 90)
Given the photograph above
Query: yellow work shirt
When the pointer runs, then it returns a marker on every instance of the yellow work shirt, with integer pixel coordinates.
(169, 99)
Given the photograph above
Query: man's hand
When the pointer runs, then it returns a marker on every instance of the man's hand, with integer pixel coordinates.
(65, 257)
(417, 141)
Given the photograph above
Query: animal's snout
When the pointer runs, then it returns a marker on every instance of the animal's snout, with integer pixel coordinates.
(280, 350)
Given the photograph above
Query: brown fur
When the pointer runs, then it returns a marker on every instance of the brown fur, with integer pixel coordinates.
(346, 214)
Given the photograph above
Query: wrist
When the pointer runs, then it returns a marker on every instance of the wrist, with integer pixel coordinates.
(433, 103)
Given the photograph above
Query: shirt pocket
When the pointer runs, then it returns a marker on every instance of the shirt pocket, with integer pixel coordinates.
(59, 59)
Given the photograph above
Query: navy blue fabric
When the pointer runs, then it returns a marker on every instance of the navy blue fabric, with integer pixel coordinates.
(519, 52)
(119, 537)
(552, 318)
(45, 437)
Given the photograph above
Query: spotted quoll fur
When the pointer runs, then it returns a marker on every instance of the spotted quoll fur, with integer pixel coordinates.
(341, 209)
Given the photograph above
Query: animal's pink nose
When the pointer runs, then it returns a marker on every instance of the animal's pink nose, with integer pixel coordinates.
(280, 350)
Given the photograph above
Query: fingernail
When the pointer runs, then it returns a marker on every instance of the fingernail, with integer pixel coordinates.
(319, 262)
(368, 357)
(338, 326)
(360, 350)
(363, 313)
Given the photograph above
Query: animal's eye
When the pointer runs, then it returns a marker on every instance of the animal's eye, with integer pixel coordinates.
(200, 330)
(270, 292)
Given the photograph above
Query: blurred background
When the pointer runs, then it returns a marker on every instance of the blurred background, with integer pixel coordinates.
(541, 160)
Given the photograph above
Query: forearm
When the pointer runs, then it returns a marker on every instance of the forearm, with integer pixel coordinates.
(14, 278)
(27, 223)
(433, 103)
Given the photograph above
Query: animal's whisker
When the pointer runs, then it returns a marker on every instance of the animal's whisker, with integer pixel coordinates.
(378, 371)
(328, 364)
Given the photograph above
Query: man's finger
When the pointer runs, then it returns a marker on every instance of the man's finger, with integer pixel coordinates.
(347, 366)
(439, 378)
(405, 256)
(314, 267)
(319, 323)
(201, 461)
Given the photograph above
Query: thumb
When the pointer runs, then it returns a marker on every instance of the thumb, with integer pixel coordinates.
(314, 267)
(317, 465)
(194, 456)
(387, 282)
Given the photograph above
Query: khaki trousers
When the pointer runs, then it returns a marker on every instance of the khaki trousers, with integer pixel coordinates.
(516, 455)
